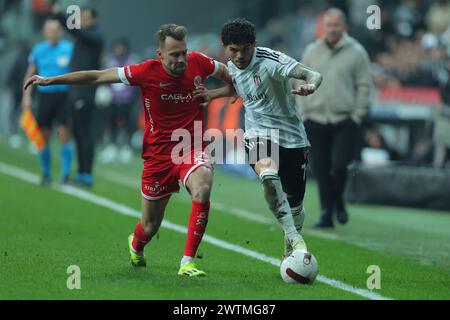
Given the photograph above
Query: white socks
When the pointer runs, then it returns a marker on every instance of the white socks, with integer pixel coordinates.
(185, 260)
(298, 214)
(277, 201)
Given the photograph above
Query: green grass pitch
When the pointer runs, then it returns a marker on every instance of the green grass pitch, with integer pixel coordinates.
(43, 231)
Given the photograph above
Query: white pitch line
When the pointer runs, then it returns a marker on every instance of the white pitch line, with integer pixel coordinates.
(122, 209)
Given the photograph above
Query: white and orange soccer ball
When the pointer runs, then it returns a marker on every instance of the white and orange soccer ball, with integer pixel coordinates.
(299, 267)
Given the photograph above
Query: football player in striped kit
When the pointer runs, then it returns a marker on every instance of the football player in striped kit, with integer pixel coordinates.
(275, 139)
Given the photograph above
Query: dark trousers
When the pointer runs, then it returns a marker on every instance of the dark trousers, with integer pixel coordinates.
(82, 112)
(333, 147)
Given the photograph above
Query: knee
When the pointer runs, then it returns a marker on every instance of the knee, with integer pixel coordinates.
(294, 200)
(201, 192)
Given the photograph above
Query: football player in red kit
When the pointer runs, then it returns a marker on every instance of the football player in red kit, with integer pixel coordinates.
(166, 84)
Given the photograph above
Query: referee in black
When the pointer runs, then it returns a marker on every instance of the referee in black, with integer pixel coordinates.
(88, 45)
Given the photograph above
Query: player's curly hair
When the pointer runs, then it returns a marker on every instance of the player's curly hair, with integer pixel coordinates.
(238, 31)
(170, 30)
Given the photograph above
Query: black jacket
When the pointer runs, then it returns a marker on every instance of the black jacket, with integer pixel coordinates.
(88, 46)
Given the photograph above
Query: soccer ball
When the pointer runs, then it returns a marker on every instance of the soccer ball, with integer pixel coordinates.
(299, 267)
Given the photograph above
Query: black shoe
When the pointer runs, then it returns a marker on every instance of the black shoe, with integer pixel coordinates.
(325, 221)
(46, 181)
(342, 216)
(65, 181)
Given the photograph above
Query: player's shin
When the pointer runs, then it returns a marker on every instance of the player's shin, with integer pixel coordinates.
(45, 157)
(277, 201)
(198, 220)
(66, 159)
(298, 214)
(298, 211)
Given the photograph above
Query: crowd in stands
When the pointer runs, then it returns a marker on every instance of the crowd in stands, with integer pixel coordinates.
(411, 50)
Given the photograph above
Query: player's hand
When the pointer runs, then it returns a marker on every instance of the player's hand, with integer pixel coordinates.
(36, 81)
(304, 90)
(201, 92)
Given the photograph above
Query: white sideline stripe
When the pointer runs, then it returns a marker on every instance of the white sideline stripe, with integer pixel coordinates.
(238, 212)
(122, 209)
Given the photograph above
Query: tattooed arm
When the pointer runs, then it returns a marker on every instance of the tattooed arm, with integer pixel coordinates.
(313, 79)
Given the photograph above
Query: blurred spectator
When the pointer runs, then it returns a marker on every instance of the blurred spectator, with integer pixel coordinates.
(86, 56)
(433, 64)
(422, 153)
(403, 52)
(441, 134)
(438, 17)
(406, 61)
(408, 18)
(333, 114)
(276, 31)
(373, 139)
(121, 107)
(304, 26)
(383, 73)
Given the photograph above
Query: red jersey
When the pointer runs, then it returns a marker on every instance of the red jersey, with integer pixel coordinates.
(168, 102)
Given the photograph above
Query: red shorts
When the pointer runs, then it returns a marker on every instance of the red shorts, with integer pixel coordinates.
(160, 179)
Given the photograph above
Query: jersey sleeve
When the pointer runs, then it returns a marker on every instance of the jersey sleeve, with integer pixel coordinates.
(281, 65)
(135, 74)
(207, 64)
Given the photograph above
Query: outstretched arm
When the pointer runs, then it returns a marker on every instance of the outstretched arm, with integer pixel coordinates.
(225, 91)
(79, 77)
(313, 79)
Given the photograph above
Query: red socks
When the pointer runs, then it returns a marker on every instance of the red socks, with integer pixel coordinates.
(140, 238)
(196, 228)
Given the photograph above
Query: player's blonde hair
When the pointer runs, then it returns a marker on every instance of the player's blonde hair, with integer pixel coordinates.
(170, 30)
